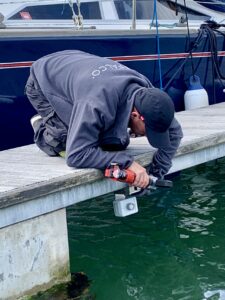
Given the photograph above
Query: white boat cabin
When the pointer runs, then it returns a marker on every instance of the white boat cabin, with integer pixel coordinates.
(103, 14)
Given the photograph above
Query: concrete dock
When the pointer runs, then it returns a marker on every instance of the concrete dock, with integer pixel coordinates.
(36, 189)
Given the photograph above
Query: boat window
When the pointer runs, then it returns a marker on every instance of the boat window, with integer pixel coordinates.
(145, 9)
(181, 10)
(89, 10)
(214, 5)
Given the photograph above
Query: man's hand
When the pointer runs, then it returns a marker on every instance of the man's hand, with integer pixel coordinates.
(142, 177)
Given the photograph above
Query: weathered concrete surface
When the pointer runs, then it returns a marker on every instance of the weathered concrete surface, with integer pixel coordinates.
(63, 198)
(53, 201)
(33, 255)
(27, 173)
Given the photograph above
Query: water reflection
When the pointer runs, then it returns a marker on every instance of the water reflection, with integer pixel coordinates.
(173, 249)
(215, 295)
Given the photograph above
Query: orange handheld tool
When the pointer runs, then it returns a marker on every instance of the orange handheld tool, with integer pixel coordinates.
(124, 175)
(115, 173)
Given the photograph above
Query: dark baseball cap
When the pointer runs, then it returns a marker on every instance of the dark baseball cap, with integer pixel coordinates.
(157, 109)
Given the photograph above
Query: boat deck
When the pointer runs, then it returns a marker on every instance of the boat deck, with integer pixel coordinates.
(27, 174)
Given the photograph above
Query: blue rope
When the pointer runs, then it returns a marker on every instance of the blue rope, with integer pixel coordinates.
(155, 17)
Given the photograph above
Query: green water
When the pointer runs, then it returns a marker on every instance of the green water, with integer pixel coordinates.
(174, 248)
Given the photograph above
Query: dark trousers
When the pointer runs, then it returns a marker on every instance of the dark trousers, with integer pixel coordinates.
(50, 132)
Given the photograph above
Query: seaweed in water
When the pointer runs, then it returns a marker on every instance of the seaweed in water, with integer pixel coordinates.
(76, 289)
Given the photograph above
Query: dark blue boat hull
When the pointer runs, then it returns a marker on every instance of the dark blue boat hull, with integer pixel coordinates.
(138, 52)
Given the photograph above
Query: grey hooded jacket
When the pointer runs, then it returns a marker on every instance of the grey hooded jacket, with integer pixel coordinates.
(94, 97)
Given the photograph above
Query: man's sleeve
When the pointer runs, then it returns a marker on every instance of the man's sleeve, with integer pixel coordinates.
(82, 150)
(162, 160)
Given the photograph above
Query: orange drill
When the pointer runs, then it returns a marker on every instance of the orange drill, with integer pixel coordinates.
(115, 173)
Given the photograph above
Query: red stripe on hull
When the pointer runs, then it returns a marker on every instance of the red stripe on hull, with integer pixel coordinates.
(164, 56)
(12, 65)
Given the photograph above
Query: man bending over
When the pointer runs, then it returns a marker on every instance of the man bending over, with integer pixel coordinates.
(85, 106)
